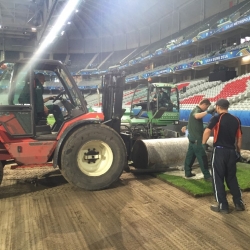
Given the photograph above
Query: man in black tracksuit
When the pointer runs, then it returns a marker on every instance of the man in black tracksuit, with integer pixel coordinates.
(227, 134)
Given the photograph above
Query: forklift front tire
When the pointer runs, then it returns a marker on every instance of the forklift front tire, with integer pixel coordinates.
(93, 157)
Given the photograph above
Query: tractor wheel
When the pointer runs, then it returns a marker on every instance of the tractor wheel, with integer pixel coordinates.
(1, 172)
(93, 157)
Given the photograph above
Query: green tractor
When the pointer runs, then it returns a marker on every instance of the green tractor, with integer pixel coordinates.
(152, 108)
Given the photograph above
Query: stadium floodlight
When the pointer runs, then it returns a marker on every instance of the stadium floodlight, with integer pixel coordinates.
(242, 40)
(53, 33)
(246, 58)
(63, 17)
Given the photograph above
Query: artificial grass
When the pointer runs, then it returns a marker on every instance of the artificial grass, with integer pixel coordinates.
(199, 188)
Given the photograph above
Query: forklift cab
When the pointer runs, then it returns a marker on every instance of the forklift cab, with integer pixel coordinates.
(18, 117)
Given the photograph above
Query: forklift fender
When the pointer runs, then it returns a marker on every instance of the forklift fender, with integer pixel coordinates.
(67, 131)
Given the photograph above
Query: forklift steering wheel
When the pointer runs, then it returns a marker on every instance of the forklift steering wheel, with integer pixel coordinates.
(58, 96)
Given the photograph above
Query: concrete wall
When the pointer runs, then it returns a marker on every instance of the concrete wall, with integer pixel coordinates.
(144, 36)
(120, 42)
(191, 13)
(132, 40)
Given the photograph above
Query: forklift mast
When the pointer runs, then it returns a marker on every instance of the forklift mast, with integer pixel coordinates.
(112, 97)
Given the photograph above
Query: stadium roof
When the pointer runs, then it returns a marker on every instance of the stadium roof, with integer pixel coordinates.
(32, 19)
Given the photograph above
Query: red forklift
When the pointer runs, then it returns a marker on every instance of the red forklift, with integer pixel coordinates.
(88, 148)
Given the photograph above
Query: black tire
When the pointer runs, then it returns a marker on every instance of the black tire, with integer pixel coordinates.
(1, 172)
(74, 164)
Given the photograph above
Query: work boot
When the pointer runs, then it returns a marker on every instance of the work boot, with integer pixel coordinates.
(219, 208)
(190, 175)
(240, 206)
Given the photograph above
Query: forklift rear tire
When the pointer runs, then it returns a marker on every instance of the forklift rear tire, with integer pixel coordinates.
(93, 157)
(1, 172)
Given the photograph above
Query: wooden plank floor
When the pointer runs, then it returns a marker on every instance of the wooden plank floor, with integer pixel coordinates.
(138, 212)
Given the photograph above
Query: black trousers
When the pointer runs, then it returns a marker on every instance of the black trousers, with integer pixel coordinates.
(224, 169)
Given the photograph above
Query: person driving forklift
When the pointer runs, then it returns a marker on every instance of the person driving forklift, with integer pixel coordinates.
(41, 111)
(51, 108)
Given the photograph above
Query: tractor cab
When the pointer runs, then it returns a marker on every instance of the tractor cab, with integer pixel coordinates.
(22, 112)
(164, 95)
(153, 107)
(159, 102)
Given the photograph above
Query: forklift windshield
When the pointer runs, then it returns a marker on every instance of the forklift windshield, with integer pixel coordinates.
(39, 93)
(56, 82)
(65, 79)
(5, 75)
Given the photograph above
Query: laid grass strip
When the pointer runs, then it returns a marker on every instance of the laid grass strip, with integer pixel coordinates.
(196, 188)
(199, 188)
(243, 175)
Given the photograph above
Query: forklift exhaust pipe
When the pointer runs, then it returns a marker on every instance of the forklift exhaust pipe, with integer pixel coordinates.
(157, 154)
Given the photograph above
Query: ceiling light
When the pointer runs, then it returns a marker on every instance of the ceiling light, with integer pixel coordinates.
(57, 27)
(33, 29)
(246, 59)
(77, 11)
(69, 22)
(62, 33)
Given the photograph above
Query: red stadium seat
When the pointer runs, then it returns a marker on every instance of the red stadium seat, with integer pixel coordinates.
(234, 87)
